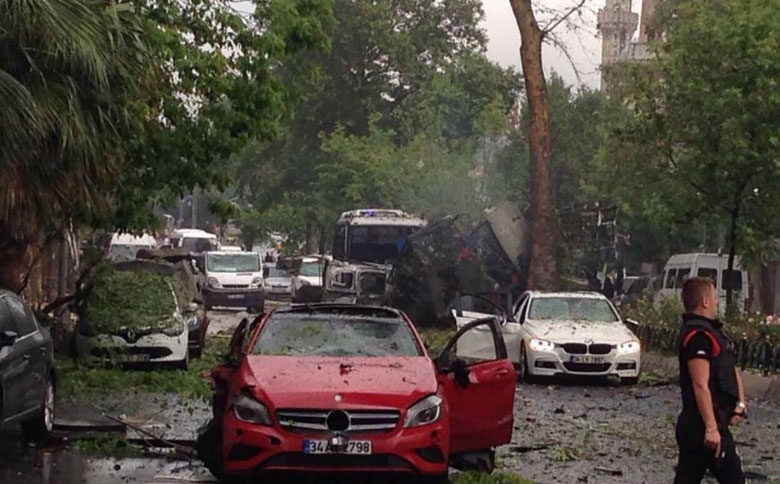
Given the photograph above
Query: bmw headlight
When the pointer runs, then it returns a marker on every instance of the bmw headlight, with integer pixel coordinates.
(628, 347)
(247, 409)
(541, 345)
(426, 411)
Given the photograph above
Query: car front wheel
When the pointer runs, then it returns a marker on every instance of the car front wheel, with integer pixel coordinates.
(524, 372)
(41, 426)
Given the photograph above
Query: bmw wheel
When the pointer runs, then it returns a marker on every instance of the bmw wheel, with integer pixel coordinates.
(524, 372)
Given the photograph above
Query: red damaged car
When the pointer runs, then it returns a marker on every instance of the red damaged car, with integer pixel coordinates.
(351, 389)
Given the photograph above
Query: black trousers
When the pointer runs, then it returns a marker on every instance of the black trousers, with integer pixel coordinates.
(695, 458)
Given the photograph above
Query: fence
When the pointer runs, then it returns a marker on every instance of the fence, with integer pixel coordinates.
(758, 354)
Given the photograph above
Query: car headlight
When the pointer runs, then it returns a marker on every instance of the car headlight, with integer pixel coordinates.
(248, 409)
(257, 281)
(628, 347)
(541, 345)
(174, 330)
(213, 282)
(426, 411)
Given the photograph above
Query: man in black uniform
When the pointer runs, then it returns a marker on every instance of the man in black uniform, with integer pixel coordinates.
(712, 393)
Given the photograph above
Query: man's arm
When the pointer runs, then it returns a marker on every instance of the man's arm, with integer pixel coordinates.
(699, 369)
(740, 410)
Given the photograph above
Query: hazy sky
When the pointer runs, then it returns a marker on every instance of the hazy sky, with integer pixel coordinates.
(583, 44)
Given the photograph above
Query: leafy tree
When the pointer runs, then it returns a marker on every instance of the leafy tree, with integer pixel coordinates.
(113, 107)
(395, 69)
(705, 124)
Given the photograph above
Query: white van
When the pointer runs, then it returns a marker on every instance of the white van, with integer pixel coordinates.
(714, 266)
(194, 240)
(234, 279)
(124, 247)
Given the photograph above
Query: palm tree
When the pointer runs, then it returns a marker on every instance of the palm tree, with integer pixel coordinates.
(69, 71)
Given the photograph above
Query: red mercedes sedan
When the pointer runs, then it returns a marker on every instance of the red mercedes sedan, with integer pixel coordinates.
(351, 389)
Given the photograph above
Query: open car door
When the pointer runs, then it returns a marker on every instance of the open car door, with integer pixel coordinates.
(479, 390)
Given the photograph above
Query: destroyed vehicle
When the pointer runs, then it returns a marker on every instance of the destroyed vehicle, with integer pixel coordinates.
(558, 333)
(139, 313)
(365, 243)
(235, 280)
(27, 377)
(334, 388)
(307, 274)
(355, 283)
(373, 235)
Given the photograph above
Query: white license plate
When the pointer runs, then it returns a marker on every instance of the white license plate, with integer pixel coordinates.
(587, 359)
(137, 358)
(355, 447)
(235, 296)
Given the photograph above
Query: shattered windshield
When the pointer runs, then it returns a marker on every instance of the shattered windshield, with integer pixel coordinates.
(301, 335)
(233, 262)
(572, 309)
(311, 269)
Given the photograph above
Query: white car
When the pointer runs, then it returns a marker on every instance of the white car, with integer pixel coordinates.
(277, 283)
(561, 333)
(120, 329)
(307, 280)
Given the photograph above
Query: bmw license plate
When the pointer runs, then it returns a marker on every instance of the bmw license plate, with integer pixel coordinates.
(355, 447)
(587, 359)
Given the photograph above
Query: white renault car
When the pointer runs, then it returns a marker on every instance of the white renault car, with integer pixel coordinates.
(562, 333)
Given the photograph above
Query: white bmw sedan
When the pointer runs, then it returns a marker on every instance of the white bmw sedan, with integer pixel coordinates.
(562, 333)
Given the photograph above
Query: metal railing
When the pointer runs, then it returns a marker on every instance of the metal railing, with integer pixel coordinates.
(755, 354)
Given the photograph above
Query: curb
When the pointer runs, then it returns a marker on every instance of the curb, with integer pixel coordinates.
(757, 387)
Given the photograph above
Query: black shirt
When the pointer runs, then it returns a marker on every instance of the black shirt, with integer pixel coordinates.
(710, 343)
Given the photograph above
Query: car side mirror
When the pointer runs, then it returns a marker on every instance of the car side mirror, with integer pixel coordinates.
(461, 372)
(8, 338)
(443, 363)
(632, 324)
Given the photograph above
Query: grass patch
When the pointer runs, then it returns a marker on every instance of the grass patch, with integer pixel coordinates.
(564, 454)
(106, 445)
(436, 339)
(76, 379)
(483, 478)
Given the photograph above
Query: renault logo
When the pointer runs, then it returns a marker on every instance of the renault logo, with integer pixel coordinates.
(130, 335)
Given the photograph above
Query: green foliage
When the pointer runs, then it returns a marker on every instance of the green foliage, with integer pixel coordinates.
(396, 118)
(78, 381)
(564, 454)
(139, 300)
(483, 478)
(701, 134)
(664, 314)
(436, 339)
(113, 107)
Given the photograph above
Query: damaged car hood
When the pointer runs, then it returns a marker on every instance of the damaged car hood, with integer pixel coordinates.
(580, 331)
(313, 382)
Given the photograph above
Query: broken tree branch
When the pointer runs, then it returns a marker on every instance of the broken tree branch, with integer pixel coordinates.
(556, 22)
(179, 448)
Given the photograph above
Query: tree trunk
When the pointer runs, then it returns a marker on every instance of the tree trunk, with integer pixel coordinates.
(543, 266)
(730, 309)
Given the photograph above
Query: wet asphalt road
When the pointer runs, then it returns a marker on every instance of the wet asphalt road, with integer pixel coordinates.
(565, 432)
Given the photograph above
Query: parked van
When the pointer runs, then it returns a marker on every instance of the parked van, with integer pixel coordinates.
(234, 279)
(124, 247)
(714, 266)
(194, 240)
